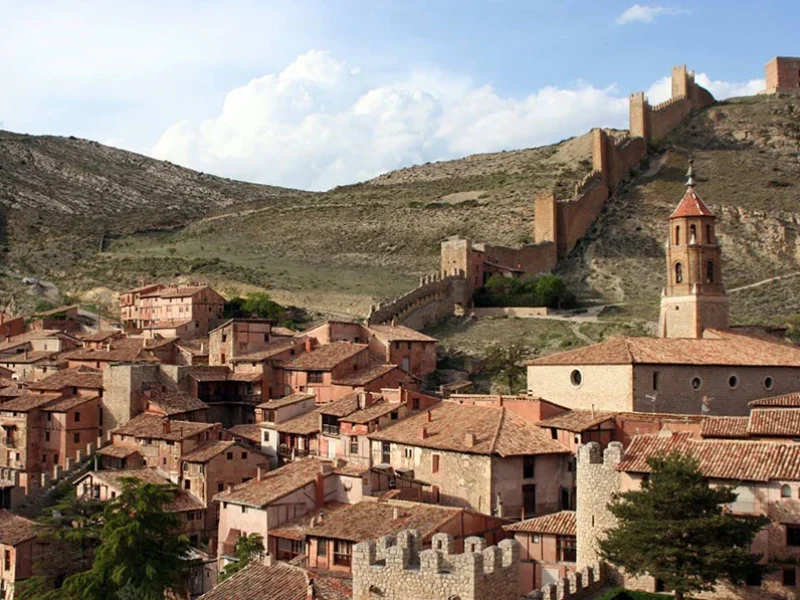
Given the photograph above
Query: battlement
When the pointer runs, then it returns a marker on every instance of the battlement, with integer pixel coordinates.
(398, 568)
(575, 586)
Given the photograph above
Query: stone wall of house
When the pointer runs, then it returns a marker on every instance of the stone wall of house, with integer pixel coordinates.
(597, 482)
(398, 569)
(121, 385)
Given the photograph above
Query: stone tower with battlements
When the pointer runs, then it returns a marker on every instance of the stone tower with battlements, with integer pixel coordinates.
(597, 483)
(694, 298)
(398, 569)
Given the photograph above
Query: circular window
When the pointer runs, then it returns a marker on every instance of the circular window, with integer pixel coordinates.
(733, 382)
(697, 383)
(769, 383)
(576, 378)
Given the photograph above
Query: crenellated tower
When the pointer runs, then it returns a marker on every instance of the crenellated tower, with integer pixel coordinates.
(694, 298)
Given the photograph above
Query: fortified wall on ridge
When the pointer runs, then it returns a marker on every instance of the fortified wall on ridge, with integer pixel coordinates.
(559, 223)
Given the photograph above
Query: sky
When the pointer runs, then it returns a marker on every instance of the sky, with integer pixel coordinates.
(313, 94)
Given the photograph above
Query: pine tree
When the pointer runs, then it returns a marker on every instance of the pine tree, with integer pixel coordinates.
(141, 554)
(676, 529)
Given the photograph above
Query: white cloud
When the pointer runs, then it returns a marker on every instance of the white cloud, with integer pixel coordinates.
(321, 123)
(639, 13)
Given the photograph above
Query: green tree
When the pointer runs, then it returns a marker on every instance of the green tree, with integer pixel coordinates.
(248, 548)
(506, 362)
(676, 529)
(140, 555)
(549, 289)
(259, 304)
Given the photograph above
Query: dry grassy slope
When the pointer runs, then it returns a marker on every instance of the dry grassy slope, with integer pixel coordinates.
(747, 157)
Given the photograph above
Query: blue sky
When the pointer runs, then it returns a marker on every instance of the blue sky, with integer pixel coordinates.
(319, 93)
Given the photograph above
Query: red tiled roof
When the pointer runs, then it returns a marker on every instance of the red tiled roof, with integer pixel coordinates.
(124, 354)
(577, 420)
(117, 451)
(28, 401)
(791, 400)
(286, 401)
(305, 424)
(774, 421)
(724, 427)
(496, 430)
(325, 358)
(68, 403)
(248, 431)
(99, 336)
(257, 581)
(343, 406)
(742, 460)
(560, 523)
(272, 349)
(375, 411)
(152, 427)
(275, 484)
(366, 375)
(82, 377)
(724, 348)
(206, 452)
(114, 477)
(31, 356)
(15, 529)
(399, 333)
(691, 206)
(174, 402)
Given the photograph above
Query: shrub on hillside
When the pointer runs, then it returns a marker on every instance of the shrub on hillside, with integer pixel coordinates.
(545, 290)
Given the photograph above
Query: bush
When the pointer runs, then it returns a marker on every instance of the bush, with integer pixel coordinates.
(546, 290)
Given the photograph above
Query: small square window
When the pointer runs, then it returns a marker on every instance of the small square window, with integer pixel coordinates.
(229, 456)
(244, 455)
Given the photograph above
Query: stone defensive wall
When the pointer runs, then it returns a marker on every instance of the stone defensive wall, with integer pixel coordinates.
(398, 569)
(576, 586)
(435, 298)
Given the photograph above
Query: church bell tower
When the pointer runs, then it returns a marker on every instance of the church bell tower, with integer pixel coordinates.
(694, 298)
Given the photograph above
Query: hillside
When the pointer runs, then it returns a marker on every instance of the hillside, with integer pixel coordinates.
(338, 250)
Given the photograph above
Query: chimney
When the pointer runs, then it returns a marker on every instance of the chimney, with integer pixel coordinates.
(365, 400)
(320, 518)
(500, 400)
(310, 594)
(423, 433)
(230, 489)
(202, 347)
(259, 473)
(108, 346)
(469, 439)
(308, 345)
(395, 513)
(166, 426)
(429, 416)
(319, 490)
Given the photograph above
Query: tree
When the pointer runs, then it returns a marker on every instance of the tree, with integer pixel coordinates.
(506, 362)
(549, 289)
(141, 556)
(259, 304)
(248, 548)
(676, 529)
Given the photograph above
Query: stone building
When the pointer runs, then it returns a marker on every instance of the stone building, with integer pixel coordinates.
(783, 75)
(398, 569)
(694, 298)
(483, 457)
(22, 548)
(172, 310)
(766, 483)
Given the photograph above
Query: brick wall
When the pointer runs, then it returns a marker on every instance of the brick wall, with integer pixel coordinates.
(783, 75)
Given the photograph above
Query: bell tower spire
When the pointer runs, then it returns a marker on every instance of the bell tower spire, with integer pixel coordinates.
(694, 298)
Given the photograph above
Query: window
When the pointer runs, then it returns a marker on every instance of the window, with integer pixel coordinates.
(576, 378)
(342, 552)
(271, 415)
(708, 234)
(786, 491)
(528, 500)
(408, 346)
(709, 272)
(693, 233)
(76, 438)
(100, 414)
(566, 548)
(266, 337)
(789, 577)
(793, 535)
(697, 383)
(393, 415)
(415, 404)
(185, 466)
(655, 380)
(535, 538)
(409, 453)
(678, 273)
(266, 436)
(769, 383)
(55, 459)
(677, 235)
(386, 453)
(435, 463)
(397, 345)
(330, 424)
(229, 456)
(7, 560)
(224, 337)
(220, 486)
(49, 416)
(528, 467)
(354, 446)
(164, 461)
(187, 484)
(733, 382)
(46, 436)
(289, 549)
(322, 548)
(244, 510)
(554, 433)
(77, 416)
(244, 455)
(315, 376)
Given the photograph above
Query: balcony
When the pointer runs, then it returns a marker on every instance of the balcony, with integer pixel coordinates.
(290, 452)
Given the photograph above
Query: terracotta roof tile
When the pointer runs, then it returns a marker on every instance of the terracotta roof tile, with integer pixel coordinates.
(791, 400)
(560, 523)
(724, 348)
(28, 401)
(286, 401)
(257, 581)
(495, 429)
(774, 422)
(124, 354)
(325, 358)
(248, 431)
(99, 336)
(272, 349)
(174, 402)
(367, 375)
(399, 333)
(25, 338)
(305, 424)
(691, 206)
(275, 484)
(15, 529)
(31, 356)
(176, 292)
(719, 459)
(343, 406)
(377, 410)
(82, 377)
(68, 403)
(577, 420)
(206, 452)
(368, 520)
(184, 502)
(206, 373)
(195, 346)
(117, 451)
(724, 427)
(115, 478)
(152, 427)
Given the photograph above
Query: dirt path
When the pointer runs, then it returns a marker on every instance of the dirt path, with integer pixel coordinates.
(764, 282)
